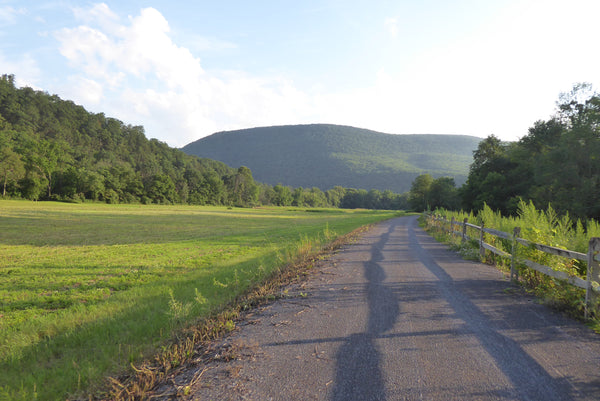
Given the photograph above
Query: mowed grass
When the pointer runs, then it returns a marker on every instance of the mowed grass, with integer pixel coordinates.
(88, 289)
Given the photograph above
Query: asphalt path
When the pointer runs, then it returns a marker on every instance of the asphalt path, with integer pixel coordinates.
(397, 316)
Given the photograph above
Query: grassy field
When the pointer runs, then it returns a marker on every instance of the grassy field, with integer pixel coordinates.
(88, 289)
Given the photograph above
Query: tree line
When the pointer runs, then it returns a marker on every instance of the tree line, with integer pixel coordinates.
(557, 163)
(52, 149)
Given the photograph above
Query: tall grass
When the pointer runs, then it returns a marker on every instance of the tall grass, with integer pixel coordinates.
(543, 227)
(86, 290)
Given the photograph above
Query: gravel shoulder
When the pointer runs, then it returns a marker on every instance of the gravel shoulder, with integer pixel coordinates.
(396, 316)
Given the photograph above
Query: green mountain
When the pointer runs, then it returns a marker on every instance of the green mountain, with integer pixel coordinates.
(324, 155)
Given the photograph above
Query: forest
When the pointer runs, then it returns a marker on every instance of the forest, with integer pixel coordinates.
(326, 155)
(53, 149)
(556, 164)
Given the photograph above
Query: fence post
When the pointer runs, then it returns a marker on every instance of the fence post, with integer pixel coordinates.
(593, 273)
(464, 230)
(452, 227)
(481, 248)
(514, 274)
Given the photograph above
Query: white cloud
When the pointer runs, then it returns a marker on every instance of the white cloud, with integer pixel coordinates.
(98, 13)
(85, 90)
(499, 80)
(8, 15)
(391, 25)
(27, 67)
(87, 48)
(149, 80)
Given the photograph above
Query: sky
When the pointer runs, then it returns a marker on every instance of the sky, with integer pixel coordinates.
(187, 69)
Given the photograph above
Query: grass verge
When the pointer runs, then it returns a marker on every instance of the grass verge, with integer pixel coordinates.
(142, 381)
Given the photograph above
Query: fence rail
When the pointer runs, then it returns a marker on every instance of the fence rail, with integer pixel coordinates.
(590, 283)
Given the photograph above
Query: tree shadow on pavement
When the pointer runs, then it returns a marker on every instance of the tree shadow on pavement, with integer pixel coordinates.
(359, 375)
(529, 379)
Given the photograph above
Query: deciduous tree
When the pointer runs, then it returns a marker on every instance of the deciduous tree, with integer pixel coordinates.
(418, 197)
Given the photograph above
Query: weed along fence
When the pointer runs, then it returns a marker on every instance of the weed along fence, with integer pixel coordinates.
(465, 231)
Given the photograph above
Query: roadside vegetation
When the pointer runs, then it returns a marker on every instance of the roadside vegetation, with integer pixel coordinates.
(547, 183)
(89, 290)
(538, 226)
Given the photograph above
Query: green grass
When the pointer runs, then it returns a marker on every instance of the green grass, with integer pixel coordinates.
(538, 226)
(88, 289)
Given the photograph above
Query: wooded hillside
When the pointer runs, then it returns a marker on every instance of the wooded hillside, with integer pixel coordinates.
(324, 156)
(54, 149)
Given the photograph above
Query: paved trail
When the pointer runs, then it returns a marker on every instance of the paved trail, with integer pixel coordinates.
(396, 316)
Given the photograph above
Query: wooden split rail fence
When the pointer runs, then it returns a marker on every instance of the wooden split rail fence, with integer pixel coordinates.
(592, 258)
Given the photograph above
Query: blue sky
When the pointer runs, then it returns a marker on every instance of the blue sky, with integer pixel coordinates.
(187, 69)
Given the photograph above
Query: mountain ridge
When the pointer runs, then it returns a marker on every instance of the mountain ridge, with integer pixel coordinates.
(328, 155)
